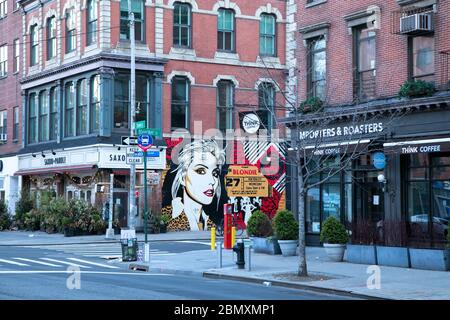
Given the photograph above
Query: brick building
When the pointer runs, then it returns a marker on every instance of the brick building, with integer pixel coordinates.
(196, 60)
(10, 99)
(354, 56)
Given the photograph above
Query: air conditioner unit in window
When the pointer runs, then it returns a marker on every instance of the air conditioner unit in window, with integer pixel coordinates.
(3, 137)
(417, 23)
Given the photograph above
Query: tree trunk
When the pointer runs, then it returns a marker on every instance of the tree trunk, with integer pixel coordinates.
(302, 270)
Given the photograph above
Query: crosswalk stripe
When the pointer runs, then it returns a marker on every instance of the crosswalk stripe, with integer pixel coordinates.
(65, 262)
(38, 262)
(93, 263)
(14, 262)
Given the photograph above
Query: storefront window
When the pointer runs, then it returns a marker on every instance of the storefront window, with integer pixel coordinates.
(313, 210)
(331, 198)
(428, 199)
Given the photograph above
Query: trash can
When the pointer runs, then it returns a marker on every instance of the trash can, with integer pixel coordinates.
(129, 249)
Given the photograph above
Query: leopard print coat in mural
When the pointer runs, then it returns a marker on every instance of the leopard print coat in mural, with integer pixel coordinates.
(181, 223)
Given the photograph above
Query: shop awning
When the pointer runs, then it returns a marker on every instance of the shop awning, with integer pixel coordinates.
(72, 169)
(418, 146)
(336, 148)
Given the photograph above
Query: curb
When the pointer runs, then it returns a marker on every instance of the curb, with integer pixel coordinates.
(286, 284)
(94, 242)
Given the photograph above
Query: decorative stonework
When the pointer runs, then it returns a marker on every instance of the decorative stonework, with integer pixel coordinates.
(193, 3)
(267, 80)
(175, 73)
(291, 52)
(227, 4)
(270, 10)
(226, 77)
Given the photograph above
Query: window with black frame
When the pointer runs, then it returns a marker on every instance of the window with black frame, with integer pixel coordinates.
(121, 101)
(428, 199)
(317, 64)
(16, 123)
(364, 64)
(137, 7)
(182, 25)
(180, 103)
(141, 98)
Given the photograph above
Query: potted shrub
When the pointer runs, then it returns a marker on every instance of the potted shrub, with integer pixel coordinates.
(334, 238)
(286, 231)
(5, 219)
(164, 222)
(362, 248)
(260, 231)
(312, 104)
(418, 88)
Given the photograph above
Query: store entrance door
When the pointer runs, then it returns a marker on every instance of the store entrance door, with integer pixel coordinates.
(120, 208)
(369, 206)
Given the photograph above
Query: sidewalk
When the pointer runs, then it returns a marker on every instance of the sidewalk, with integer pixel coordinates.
(342, 278)
(42, 238)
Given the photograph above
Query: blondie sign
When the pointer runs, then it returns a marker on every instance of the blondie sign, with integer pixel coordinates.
(343, 131)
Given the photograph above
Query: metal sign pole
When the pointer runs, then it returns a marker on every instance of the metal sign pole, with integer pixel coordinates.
(132, 199)
(145, 195)
(110, 231)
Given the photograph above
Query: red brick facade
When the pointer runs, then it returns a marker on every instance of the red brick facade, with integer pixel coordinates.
(10, 92)
(391, 47)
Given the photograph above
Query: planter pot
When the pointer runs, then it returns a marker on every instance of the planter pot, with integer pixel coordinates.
(69, 232)
(430, 259)
(288, 247)
(265, 245)
(163, 228)
(116, 230)
(335, 252)
(393, 256)
(361, 254)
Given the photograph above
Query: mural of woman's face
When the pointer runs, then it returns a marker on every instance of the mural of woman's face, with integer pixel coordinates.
(202, 178)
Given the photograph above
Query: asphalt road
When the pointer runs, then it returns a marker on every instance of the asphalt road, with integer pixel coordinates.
(59, 274)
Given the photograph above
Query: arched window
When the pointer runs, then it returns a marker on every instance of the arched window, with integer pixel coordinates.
(51, 38)
(266, 103)
(226, 30)
(182, 25)
(95, 103)
(137, 7)
(69, 114)
(34, 45)
(180, 103)
(53, 114)
(82, 107)
(92, 17)
(225, 103)
(32, 119)
(71, 35)
(267, 35)
(43, 116)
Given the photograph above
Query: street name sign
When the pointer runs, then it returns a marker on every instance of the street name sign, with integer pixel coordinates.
(154, 132)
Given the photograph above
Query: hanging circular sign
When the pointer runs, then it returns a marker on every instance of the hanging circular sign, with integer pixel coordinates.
(251, 123)
(379, 160)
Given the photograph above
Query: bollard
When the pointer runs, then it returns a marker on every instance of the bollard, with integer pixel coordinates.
(233, 236)
(240, 254)
(213, 238)
(219, 254)
(248, 255)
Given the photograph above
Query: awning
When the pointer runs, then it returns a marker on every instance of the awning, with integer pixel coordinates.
(84, 167)
(418, 146)
(336, 148)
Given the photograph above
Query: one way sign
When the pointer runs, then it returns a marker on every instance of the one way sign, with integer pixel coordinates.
(129, 141)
